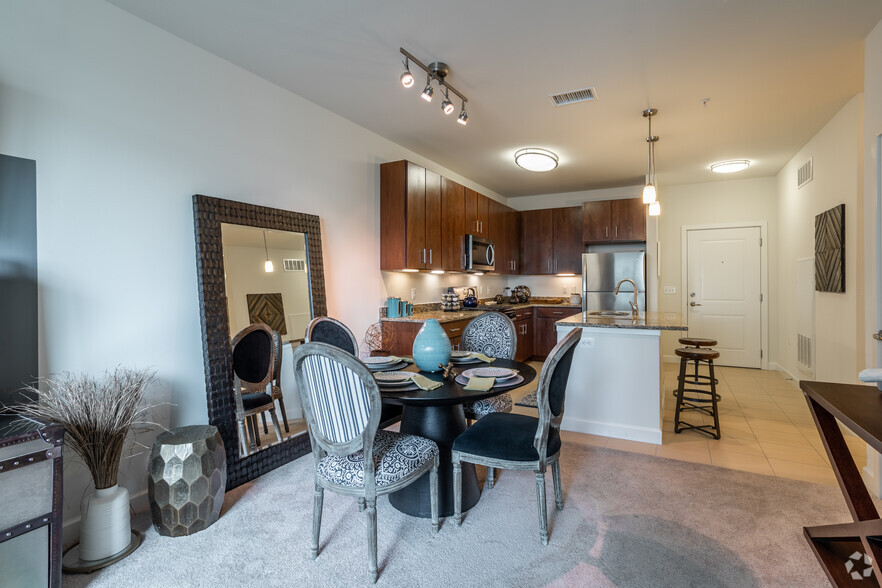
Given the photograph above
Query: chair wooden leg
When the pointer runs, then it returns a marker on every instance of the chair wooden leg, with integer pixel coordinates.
(265, 429)
(243, 439)
(317, 519)
(276, 424)
(543, 511)
(254, 435)
(284, 414)
(433, 494)
(491, 472)
(361, 505)
(457, 489)
(558, 494)
(371, 511)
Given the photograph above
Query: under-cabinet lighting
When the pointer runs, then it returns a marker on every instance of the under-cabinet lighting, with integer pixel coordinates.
(437, 271)
(410, 270)
(565, 275)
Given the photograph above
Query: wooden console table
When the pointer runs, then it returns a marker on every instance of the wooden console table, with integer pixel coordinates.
(860, 409)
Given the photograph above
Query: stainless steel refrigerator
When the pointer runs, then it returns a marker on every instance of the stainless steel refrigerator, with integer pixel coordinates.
(602, 271)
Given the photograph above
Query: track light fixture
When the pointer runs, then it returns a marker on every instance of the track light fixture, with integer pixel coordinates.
(436, 71)
(407, 77)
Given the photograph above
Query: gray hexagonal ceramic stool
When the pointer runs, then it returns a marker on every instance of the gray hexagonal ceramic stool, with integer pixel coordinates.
(187, 476)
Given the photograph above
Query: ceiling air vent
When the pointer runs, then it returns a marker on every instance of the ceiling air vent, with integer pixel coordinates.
(574, 96)
(804, 174)
(295, 265)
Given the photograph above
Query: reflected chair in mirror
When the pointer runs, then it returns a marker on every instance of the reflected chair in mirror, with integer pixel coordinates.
(324, 329)
(522, 442)
(253, 365)
(494, 335)
(277, 382)
(341, 403)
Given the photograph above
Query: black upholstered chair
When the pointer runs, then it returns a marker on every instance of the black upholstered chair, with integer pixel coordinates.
(253, 364)
(341, 403)
(277, 382)
(521, 442)
(324, 329)
(492, 334)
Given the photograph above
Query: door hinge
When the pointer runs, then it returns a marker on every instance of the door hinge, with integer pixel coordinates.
(761, 241)
(761, 297)
(761, 353)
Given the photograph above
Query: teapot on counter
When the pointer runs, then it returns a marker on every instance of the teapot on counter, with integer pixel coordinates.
(470, 301)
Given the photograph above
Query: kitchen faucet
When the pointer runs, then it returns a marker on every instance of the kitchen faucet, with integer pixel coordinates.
(634, 309)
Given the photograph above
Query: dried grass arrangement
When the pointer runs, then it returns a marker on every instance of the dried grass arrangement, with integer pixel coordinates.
(97, 414)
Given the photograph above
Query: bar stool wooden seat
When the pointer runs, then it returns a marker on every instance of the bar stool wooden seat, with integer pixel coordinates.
(702, 390)
(697, 342)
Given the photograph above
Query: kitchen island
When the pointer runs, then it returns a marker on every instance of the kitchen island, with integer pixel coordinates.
(616, 385)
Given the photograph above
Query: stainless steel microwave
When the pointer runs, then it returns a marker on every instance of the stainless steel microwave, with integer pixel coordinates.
(480, 255)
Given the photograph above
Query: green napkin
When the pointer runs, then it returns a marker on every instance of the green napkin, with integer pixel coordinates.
(404, 359)
(425, 383)
(482, 357)
(480, 383)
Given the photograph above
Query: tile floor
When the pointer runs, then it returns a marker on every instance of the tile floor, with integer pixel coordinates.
(766, 429)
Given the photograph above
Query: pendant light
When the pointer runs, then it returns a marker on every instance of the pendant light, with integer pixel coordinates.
(268, 265)
(649, 191)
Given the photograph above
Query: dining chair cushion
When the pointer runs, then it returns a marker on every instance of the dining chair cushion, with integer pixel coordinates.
(395, 456)
(255, 399)
(331, 333)
(492, 334)
(505, 436)
(479, 408)
(252, 356)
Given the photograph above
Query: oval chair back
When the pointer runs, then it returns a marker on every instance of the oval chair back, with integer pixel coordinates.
(254, 357)
(492, 334)
(341, 402)
(324, 329)
(552, 388)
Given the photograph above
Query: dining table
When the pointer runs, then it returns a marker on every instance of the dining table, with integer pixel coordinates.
(438, 415)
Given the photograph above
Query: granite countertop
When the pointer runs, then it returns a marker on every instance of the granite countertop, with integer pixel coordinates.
(457, 315)
(658, 321)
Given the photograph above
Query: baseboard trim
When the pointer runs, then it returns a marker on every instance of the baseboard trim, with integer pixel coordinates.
(783, 371)
(670, 359)
(616, 431)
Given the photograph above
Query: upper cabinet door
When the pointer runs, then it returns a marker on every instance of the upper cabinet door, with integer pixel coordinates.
(595, 221)
(452, 225)
(538, 241)
(434, 249)
(415, 206)
(496, 233)
(477, 213)
(568, 246)
(628, 218)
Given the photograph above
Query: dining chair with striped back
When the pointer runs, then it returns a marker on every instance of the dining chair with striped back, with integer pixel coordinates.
(352, 457)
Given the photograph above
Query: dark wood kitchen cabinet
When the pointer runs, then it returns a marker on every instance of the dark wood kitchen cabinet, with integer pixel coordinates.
(546, 333)
(496, 232)
(614, 221)
(477, 211)
(550, 239)
(410, 217)
(452, 225)
(523, 322)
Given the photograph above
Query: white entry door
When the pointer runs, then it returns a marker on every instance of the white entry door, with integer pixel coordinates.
(723, 295)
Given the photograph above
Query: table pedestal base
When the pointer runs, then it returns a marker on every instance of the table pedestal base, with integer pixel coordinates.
(441, 424)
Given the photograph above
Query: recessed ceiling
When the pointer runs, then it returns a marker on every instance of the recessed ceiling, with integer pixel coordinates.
(775, 73)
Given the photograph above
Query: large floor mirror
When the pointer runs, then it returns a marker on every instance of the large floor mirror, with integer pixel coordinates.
(256, 265)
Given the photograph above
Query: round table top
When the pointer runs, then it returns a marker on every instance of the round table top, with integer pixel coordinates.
(454, 393)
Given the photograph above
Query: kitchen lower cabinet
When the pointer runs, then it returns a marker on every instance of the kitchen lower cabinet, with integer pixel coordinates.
(546, 333)
(523, 321)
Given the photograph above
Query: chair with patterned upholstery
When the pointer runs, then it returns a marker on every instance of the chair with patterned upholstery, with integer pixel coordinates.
(492, 334)
(253, 365)
(341, 403)
(522, 442)
(324, 329)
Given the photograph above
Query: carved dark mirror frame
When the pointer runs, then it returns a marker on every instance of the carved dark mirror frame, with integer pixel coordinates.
(208, 214)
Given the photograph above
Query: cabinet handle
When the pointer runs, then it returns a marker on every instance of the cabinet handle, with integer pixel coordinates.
(555, 266)
(430, 256)
(422, 256)
(607, 231)
(617, 231)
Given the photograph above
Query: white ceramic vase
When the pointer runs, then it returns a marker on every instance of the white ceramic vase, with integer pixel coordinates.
(106, 526)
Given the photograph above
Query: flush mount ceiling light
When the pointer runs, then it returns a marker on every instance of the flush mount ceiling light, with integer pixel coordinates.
(649, 192)
(728, 167)
(437, 72)
(536, 159)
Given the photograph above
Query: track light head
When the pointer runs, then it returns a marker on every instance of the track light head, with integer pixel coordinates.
(407, 79)
(463, 118)
(428, 92)
(447, 106)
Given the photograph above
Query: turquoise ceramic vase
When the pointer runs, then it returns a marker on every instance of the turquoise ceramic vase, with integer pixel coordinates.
(431, 347)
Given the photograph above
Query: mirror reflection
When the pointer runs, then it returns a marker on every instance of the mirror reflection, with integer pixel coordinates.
(267, 281)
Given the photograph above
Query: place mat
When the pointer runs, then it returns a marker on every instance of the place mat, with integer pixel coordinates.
(529, 401)
(510, 383)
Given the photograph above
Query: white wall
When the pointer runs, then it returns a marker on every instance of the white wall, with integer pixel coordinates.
(710, 203)
(872, 239)
(839, 318)
(126, 122)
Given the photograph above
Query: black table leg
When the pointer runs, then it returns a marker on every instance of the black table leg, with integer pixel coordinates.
(441, 424)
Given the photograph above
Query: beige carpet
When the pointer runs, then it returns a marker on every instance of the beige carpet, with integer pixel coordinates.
(628, 520)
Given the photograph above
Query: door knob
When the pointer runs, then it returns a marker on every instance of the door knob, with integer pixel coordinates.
(693, 303)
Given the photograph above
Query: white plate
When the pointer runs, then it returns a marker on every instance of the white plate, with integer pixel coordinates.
(461, 354)
(405, 386)
(393, 377)
(377, 361)
(490, 372)
(507, 383)
(464, 360)
(387, 367)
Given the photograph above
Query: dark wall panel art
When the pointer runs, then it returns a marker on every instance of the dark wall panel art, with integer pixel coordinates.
(830, 250)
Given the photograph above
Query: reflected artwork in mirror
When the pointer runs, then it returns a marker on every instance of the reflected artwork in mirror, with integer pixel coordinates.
(256, 265)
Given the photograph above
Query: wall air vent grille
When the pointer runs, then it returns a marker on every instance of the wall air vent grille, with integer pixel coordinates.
(804, 174)
(573, 96)
(295, 265)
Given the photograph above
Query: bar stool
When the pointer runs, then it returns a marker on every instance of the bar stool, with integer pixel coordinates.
(702, 390)
(698, 342)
